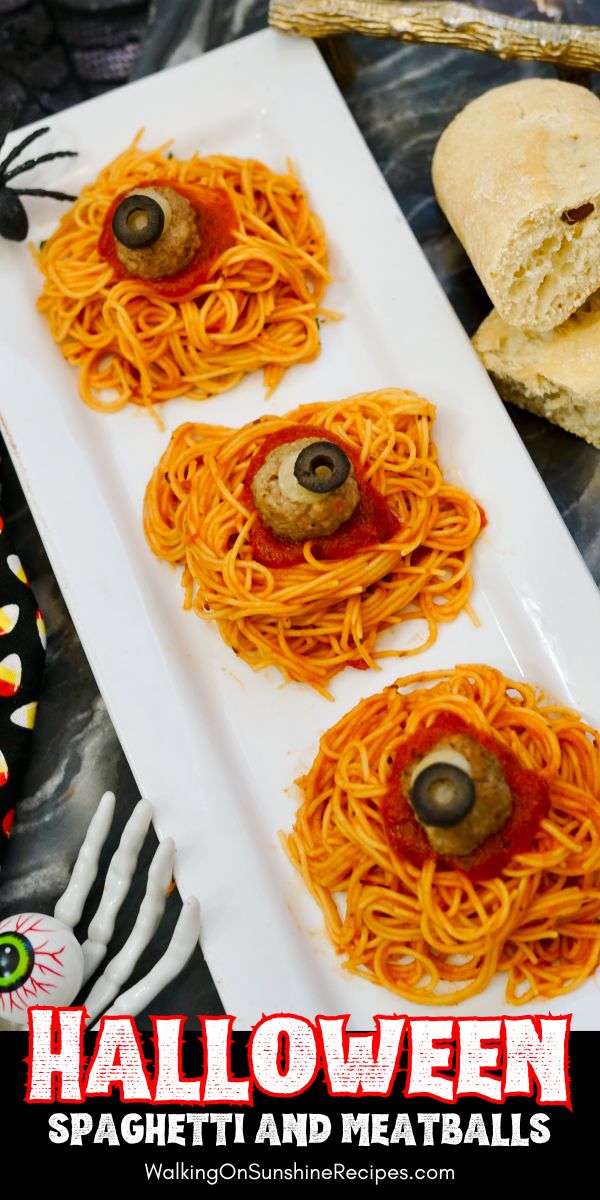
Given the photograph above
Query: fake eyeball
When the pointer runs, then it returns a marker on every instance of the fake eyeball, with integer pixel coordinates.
(41, 962)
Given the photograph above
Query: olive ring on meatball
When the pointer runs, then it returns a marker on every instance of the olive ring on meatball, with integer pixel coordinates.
(322, 467)
(459, 794)
(138, 221)
(156, 232)
(442, 794)
(295, 511)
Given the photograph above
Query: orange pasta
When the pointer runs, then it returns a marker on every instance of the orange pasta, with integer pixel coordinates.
(258, 309)
(312, 619)
(430, 934)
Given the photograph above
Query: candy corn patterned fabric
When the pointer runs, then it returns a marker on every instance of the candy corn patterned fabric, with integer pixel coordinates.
(22, 654)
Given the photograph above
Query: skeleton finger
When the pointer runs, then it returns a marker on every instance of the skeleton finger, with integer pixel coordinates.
(118, 881)
(185, 937)
(152, 908)
(70, 905)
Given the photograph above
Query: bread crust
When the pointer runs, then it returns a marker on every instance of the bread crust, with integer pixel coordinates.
(554, 374)
(505, 171)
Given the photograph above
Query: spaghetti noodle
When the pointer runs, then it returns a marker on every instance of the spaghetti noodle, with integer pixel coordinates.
(428, 932)
(315, 617)
(258, 308)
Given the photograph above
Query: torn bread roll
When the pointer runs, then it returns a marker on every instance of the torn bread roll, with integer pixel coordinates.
(517, 174)
(554, 375)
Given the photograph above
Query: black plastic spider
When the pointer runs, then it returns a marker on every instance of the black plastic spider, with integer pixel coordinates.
(13, 218)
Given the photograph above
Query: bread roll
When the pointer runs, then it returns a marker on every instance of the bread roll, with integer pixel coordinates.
(555, 374)
(517, 174)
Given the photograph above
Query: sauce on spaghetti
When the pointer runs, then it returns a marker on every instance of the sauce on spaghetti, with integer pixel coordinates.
(372, 522)
(429, 933)
(216, 222)
(406, 835)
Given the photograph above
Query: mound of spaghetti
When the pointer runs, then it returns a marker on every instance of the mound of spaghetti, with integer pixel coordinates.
(256, 307)
(314, 616)
(429, 932)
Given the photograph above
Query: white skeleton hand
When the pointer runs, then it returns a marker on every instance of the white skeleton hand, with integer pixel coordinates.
(41, 961)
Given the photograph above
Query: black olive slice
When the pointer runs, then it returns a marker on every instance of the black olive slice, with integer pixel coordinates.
(442, 795)
(138, 221)
(322, 467)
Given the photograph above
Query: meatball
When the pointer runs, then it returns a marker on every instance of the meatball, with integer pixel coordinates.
(293, 512)
(493, 798)
(175, 247)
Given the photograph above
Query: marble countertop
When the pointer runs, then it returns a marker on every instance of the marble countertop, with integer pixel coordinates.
(402, 96)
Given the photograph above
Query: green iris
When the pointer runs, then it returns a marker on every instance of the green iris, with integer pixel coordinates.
(17, 958)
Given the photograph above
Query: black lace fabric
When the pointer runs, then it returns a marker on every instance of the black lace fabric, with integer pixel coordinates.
(54, 54)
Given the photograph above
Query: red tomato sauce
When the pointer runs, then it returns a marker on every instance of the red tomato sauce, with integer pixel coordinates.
(216, 220)
(372, 520)
(530, 797)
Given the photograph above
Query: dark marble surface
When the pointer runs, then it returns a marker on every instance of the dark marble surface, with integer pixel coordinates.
(401, 97)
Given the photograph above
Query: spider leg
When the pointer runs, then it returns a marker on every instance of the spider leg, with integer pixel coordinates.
(152, 908)
(39, 192)
(17, 149)
(118, 879)
(70, 905)
(179, 950)
(6, 121)
(34, 162)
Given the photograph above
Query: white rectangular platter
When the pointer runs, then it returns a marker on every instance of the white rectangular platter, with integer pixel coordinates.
(213, 745)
